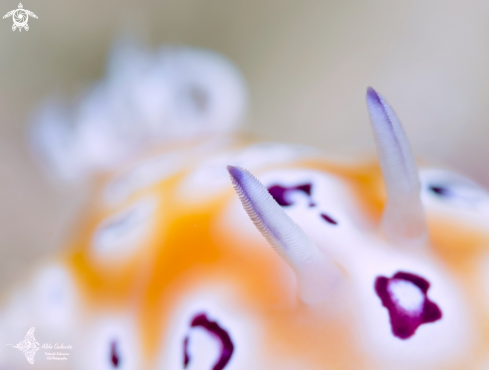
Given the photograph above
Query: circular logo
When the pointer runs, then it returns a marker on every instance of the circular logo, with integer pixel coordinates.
(20, 17)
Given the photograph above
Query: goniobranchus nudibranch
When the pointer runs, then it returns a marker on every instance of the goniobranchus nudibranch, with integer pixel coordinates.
(203, 249)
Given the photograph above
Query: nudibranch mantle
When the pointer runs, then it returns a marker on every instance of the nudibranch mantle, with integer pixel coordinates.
(307, 263)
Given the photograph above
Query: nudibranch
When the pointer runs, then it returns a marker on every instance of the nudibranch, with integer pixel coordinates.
(214, 251)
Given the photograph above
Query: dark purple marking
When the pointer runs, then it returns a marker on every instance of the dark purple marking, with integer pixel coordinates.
(279, 193)
(213, 328)
(404, 323)
(441, 191)
(374, 96)
(114, 356)
(186, 357)
(467, 194)
(236, 173)
(328, 219)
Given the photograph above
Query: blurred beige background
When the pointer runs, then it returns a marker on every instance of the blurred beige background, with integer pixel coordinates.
(307, 63)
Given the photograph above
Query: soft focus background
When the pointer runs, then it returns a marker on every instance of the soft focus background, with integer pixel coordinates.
(307, 64)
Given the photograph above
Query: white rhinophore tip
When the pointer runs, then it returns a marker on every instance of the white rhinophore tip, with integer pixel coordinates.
(316, 273)
(403, 220)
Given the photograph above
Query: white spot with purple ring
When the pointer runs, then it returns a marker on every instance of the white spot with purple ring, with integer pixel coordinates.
(449, 194)
(323, 205)
(223, 305)
(391, 328)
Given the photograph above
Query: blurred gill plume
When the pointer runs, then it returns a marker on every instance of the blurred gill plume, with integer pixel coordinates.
(146, 97)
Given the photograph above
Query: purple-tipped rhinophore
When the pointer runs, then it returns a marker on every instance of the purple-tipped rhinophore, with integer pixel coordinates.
(277, 227)
(315, 273)
(403, 218)
(227, 346)
(405, 296)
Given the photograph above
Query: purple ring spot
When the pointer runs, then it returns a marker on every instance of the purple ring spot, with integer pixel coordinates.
(405, 318)
(227, 347)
